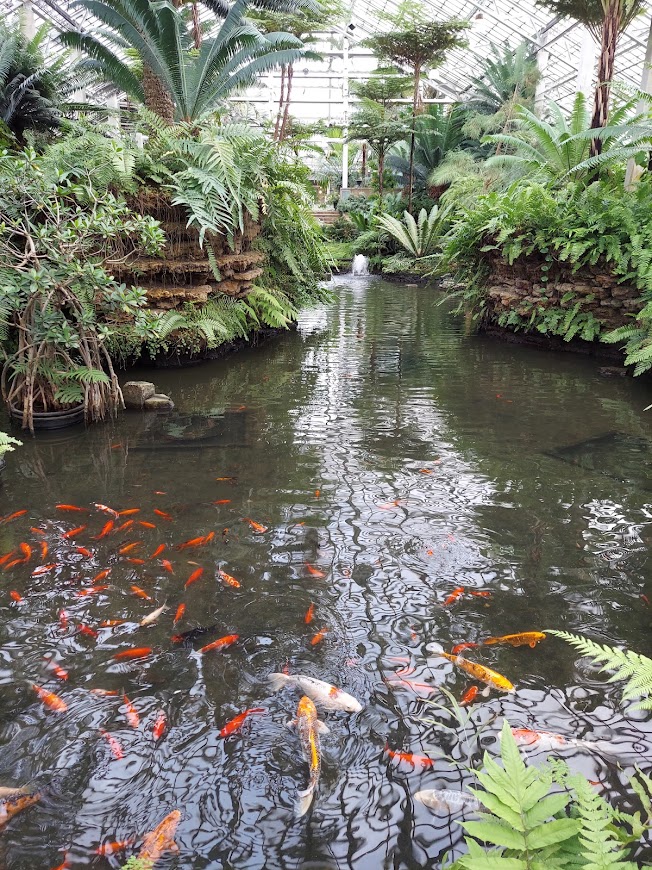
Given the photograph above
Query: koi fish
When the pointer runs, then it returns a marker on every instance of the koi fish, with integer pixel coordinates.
(84, 552)
(162, 514)
(137, 652)
(141, 593)
(220, 643)
(146, 525)
(196, 574)
(409, 758)
(106, 510)
(131, 715)
(447, 800)
(129, 512)
(193, 542)
(52, 701)
(129, 548)
(153, 616)
(10, 790)
(410, 684)
(91, 590)
(157, 551)
(524, 638)
(69, 507)
(37, 531)
(16, 596)
(107, 849)
(56, 669)
(462, 646)
(102, 575)
(71, 534)
(226, 478)
(309, 614)
(167, 565)
(64, 864)
(159, 726)
(455, 594)
(4, 559)
(12, 564)
(480, 672)
(236, 723)
(44, 569)
(309, 728)
(160, 840)
(107, 528)
(159, 492)
(181, 609)
(480, 593)
(193, 633)
(14, 516)
(548, 741)
(105, 693)
(322, 693)
(257, 527)
(223, 501)
(10, 807)
(228, 579)
(44, 550)
(113, 742)
(321, 634)
(469, 696)
(111, 623)
(87, 630)
(26, 550)
(314, 572)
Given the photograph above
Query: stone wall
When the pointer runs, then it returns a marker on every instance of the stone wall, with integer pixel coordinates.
(519, 287)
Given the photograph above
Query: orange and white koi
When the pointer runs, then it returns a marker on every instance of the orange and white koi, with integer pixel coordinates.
(52, 701)
(548, 741)
(228, 579)
(141, 593)
(327, 696)
(237, 722)
(480, 672)
(455, 594)
(257, 527)
(13, 805)
(91, 590)
(309, 728)
(160, 840)
(56, 669)
(409, 758)
(106, 510)
(220, 643)
(131, 715)
(153, 616)
(524, 638)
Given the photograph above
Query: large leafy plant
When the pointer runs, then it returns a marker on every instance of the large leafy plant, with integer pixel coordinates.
(418, 237)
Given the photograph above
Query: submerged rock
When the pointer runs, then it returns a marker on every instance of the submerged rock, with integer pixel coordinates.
(159, 402)
(136, 393)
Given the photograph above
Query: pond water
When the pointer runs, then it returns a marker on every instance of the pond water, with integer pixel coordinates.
(391, 460)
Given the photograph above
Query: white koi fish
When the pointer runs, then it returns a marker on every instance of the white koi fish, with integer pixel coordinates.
(327, 696)
(447, 800)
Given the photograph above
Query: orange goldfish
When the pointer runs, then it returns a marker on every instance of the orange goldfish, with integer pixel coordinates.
(131, 715)
(14, 516)
(107, 528)
(161, 839)
(462, 646)
(114, 744)
(193, 542)
(194, 577)
(13, 805)
(223, 501)
(162, 514)
(125, 526)
(469, 696)
(159, 726)
(480, 672)
(524, 638)
(87, 630)
(181, 609)
(231, 479)
(157, 551)
(321, 634)
(220, 643)
(105, 693)
(167, 565)
(12, 564)
(128, 548)
(54, 702)
(65, 865)
(257, 527)
(37, 531)
(71, 534)
(26, 550)
(44, 569)
(84, 552)
(309, 614)
(480, 593)
(111, 623)
(16, 596)
(409, 758)
(314, 572)
(4, 559)
(146, 525)
(105, 509)
(69, 507)
(455, 594)
(44, 550)
(135, 561)
(56, 669)
(128, 512)
(141, 593)
(236, 723)
(138, 652)
(228, 579)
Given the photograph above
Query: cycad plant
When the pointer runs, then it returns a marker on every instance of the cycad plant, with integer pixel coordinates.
(417, 237)
(178, 82)
(507, 74)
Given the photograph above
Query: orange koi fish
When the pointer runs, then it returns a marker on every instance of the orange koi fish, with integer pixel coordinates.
(114, 744)
(106, 529)
(84, 552)
(44, 569)
(91, 590)
(69, 507)
(480, 672)
(321, 634)
(137, 652)
(193, 542)
(462, 646)
(14, 805)
(14, 516)
(63, 620)
(167, 565)
(162, 514)
(135, 561)
(87, 630)
(56, 669)
(524, 638)
(469, 696)
(129, 548)
(220, 643)
(71, 534)
(44, 550)
(257, 527)
(309, 728)
(131, 715)
(228, 579)
(129, 512)
(54, 702)
(141, 593)
(146, 525)
(107, 849)
(194, 577)
(159, 726)
(480, 593)
(125, 526)
(37, 531)
(15, 596)
(309, 614)
(236, 723)
(26, 550)
(105, 509)
(160, 840)
(12, 564)
(181, 609)
(102, 575)
(7, 556)
(409, 758)
(314, 572)
(157, 551)
(455, 594)
(223, 501)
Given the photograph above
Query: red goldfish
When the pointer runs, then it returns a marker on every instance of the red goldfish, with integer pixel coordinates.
(223, 501)
(462, 646)
(44, 569)
(409, 758)
(141, 593)
(138, 652)
(162, 514)
(196, 574)
(159, 726)
(125, 526)
(157, 551)
(129, 548)
(236, 723)
(181, 609)
(469, 696)
(14, 516)
(63, 620)
(54, 702)
(26, 550)
(321, 634)
(87, 630)
(257, 527)
(114, 744)
(220, 643)
(480, 593)
(309, 614)
(84, 552)
(91, 590)
(15, 596)
(107, 528)
(146, 525)
(36, 531)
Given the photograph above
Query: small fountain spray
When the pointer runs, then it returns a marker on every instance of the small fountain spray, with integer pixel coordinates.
(360, 265)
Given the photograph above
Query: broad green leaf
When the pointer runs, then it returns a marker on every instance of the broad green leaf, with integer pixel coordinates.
(497, 833)
(553, 832)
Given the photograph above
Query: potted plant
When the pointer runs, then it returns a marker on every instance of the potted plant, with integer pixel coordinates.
(59, 237)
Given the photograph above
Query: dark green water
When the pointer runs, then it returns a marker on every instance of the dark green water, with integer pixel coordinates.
(538, 491)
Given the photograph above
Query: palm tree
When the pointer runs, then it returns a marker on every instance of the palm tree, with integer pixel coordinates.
(380, 127)
(607, 20)
(560, 149)
(510, 74)
(177, 83)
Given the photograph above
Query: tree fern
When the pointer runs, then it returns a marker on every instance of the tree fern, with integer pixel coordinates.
(628, 665)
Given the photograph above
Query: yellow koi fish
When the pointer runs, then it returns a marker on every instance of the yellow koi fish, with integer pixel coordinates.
(160, 840)
(309, 728)
(523, 638)
(15, 804)
(480, 672)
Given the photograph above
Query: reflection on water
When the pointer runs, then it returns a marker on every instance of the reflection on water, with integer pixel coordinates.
(384, 449)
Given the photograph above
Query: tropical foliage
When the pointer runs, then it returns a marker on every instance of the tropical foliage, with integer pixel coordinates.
(417, 237)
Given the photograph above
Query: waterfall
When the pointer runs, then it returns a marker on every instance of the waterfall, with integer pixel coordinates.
(360, 265)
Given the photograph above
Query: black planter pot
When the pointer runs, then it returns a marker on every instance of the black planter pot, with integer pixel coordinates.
(48, 420)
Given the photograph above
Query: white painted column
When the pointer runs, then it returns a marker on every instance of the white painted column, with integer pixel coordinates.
(586, 64)
(543, 55)
(345, 109)
(26, 17)
(633, 171)
(113, 104)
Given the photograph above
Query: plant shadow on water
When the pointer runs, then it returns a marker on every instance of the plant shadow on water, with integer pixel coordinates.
(381, 448)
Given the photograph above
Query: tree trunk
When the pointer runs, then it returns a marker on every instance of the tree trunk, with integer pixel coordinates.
(157, 96)
(363, 169)
(415, 103)
(196, 26)
(286, 110)
(381, 170)
(281, 100)
(610, 32)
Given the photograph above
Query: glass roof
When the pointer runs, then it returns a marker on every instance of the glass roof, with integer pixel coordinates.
(318, 85)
